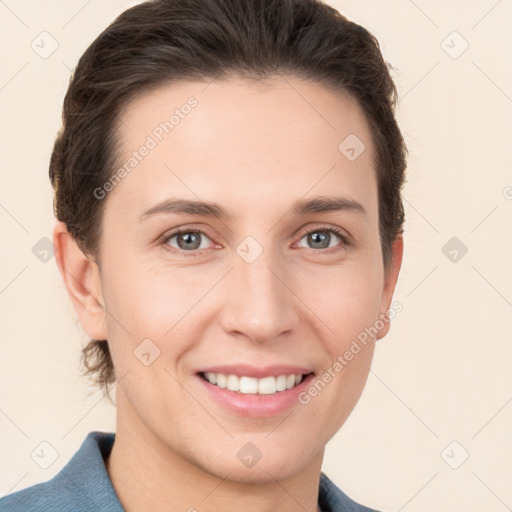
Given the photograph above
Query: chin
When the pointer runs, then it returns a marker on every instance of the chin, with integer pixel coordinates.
(260, 461)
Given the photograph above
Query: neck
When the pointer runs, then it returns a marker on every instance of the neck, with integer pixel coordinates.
(148, 476)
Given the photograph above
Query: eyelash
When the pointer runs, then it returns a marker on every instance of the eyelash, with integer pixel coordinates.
(321, 229)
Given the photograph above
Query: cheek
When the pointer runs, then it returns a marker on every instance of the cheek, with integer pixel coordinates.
(155, 303)
(151, 300)
(346, 300)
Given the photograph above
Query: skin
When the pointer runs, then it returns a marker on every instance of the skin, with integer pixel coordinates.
(254, 149)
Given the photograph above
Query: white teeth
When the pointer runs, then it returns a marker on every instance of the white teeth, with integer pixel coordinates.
(233, 383)
(248, 385)
(251, 385)
(267, 386)
(281, 382)
(221, 380)
(212, 377)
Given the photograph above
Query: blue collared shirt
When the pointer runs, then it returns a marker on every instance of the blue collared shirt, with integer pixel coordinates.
(83, 485)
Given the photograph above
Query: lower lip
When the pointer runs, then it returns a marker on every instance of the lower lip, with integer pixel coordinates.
(256, 405)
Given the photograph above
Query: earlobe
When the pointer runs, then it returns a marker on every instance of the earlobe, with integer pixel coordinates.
(82, 279)
(390, 280)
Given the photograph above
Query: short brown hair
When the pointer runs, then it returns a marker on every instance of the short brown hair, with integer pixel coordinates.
(164, 41)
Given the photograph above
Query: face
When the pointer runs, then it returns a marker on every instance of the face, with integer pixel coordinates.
(266, 282)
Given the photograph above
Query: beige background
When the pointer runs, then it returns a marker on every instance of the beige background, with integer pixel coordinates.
(441, 375)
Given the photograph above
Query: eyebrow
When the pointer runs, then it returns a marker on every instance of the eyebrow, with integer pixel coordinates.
(209, 209)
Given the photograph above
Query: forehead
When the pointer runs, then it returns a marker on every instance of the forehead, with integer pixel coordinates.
(244, 139)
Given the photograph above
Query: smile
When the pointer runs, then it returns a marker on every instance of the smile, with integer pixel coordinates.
(250, 385)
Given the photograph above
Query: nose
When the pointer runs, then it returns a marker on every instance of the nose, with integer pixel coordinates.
(259, 303)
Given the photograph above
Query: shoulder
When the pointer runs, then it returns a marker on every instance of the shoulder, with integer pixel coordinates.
(332, 499)
(53, 495)
(81, 485)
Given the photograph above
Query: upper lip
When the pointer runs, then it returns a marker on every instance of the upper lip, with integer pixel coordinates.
(258, 373)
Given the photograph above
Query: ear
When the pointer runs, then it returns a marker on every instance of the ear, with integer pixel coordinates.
(82, 278)
(390, 279)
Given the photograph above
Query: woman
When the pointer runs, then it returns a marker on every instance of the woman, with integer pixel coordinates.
(228, 194)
